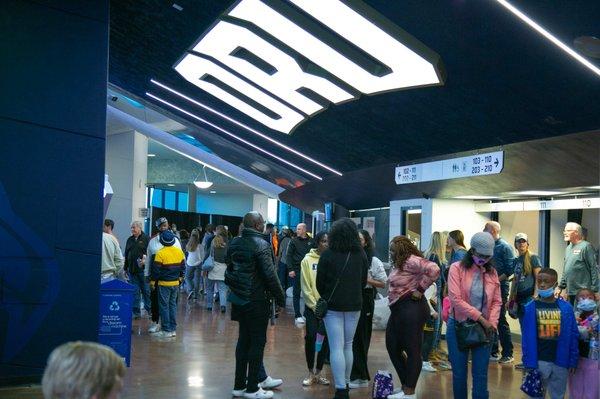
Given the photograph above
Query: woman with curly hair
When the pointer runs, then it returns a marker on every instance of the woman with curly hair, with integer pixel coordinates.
(341, 276)
(411, 276)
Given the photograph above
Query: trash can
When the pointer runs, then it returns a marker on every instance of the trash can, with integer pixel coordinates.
(116, 300)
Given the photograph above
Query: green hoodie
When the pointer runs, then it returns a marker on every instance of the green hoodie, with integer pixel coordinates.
(308, 269)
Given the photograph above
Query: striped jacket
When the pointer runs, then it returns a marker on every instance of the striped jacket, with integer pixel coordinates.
(168, 266)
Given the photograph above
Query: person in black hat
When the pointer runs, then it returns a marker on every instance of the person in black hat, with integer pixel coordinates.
(167, 269)
(162, 224)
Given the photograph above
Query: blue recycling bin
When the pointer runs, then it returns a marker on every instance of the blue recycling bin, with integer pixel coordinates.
(116, 300)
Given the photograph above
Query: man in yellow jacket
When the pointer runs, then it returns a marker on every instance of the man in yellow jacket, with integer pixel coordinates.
(308, 270)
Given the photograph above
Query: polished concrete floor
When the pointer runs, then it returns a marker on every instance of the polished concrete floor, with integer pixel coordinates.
(199, 363)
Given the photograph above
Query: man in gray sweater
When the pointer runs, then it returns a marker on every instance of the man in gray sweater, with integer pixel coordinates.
(580, 265)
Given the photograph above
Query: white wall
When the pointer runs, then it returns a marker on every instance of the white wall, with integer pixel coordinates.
(527, 222)
(260, 204)
(126, 166)
(460, 215)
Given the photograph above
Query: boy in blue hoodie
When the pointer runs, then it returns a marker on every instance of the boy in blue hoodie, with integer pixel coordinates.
(550, 336)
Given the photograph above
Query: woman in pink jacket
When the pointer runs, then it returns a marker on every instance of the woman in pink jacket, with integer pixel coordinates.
(474, 292)
(411, 276)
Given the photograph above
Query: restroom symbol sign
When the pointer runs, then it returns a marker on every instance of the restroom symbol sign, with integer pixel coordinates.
(114, 306)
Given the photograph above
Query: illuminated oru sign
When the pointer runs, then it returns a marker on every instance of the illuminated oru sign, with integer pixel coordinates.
(305, 54)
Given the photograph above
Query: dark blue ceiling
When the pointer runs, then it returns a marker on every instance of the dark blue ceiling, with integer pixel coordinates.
(505, 83)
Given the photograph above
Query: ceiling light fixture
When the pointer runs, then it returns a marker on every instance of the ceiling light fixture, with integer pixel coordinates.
(536, 192)
(233, 135)
(248, 128)
(202, 184)
(476, 197)
(549, 36)
(170, 185)
(151, 155)
(213, 192)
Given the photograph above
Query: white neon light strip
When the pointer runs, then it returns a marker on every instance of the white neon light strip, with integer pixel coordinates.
(232, 135)
(248, 128)
(549, 36)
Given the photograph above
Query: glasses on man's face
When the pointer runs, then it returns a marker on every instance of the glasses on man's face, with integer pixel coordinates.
(521, 241)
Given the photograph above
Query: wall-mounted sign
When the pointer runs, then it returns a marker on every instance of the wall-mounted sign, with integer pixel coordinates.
(299, 65)
(473, 165)
(516, 206)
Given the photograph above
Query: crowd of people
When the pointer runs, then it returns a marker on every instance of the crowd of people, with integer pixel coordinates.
(337, 275)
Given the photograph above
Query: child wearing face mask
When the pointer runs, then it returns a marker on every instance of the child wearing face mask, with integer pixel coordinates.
(550, 336)
(584, 383)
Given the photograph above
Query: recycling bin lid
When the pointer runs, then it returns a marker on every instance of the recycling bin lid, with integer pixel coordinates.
(114, 284)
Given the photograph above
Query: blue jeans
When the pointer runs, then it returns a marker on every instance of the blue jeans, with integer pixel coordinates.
(479, 369)
(210, 287)
(167, 304)
(282, 273)
(193, 279)
(296, 291)
(139, 280)
(341, 327)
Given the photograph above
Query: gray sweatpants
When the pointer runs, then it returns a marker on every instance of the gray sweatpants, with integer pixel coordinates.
(554, 379)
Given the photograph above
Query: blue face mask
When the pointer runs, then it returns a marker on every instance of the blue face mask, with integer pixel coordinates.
(547, 293)
(586, 305)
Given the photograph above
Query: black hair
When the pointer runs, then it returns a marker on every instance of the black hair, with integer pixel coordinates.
(343, 236)
(467, 261)
(318, 237)
(109, 223)
(550, 272)
(369, 244)
(270, 225)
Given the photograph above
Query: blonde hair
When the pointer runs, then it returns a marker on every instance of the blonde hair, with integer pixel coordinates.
(220, 240)
(80, 370)
(194, 241)
(437, 247)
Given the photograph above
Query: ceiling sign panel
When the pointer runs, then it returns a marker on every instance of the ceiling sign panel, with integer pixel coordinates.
(473, 165)
(305, 55)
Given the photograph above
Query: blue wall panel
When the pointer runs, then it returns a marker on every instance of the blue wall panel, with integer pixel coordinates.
(224, 204)
(52, 127)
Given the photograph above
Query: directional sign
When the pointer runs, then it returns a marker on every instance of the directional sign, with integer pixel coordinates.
(490, 163)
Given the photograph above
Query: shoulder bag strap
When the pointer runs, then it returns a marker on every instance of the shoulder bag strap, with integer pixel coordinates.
(338, 277)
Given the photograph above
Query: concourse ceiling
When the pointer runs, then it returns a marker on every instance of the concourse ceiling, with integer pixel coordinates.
(500, 83)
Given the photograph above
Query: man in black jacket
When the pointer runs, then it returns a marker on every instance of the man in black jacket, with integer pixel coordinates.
(298, 248)
(135, 254)
(252, 279)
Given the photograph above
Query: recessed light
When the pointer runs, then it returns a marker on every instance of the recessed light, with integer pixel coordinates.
(535, 192)
(233, 135)
(177, 7)
(151, 155)
(414, 211)
(549, 36)
(213, 192)
(170, 185)
(476, 197)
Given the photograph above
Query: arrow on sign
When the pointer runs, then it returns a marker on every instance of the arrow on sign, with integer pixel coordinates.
(496, 162)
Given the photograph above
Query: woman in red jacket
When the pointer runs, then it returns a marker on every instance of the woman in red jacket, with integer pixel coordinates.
(411, 276)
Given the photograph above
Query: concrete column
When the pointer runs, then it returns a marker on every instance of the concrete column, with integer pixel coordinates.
(126, 166)
(260, 203)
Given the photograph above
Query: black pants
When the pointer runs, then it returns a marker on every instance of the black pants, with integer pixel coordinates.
(253, 318)
(404, 335)
(296, 291)
(310, 339)
(428, 338)
(362, 337)
(503, 333)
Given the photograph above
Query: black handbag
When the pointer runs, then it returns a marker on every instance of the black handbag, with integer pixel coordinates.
(471, 334)
(321, 305)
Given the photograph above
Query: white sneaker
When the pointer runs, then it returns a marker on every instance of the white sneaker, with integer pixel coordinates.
(260, 394)
(270, 383)
(164, 334)
(238, 393)
(300, 320)
(397, 395)
(358, 384)
(428, 367)
(154, 328)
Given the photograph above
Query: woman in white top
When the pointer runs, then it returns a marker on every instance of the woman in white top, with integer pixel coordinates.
(216, 276)
(193, 265)
(377, 277)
